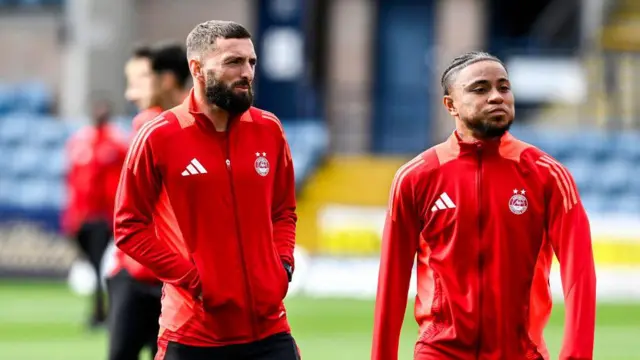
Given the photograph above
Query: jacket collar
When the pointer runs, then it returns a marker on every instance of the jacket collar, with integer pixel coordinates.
(191, 104)
(460, 147)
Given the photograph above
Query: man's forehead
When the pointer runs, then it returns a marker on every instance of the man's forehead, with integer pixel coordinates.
(138, 65)
(234, 47)
(482, 70)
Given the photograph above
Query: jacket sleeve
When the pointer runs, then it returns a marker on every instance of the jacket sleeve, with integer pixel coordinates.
(284, 216)
(570, 236)
(399, 245)
(135, 235)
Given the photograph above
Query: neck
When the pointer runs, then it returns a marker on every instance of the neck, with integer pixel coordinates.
(173, 98)
(218, 117)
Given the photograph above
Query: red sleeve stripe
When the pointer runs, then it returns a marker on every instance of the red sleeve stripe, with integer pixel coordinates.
(272, 117)
(562, 184)
(565, 175)
(396, 185)
(568, 180)
(137, 139)
(136, 149)
(559, 183)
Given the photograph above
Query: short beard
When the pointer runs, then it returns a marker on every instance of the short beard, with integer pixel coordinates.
(222, 96)
(484, 129)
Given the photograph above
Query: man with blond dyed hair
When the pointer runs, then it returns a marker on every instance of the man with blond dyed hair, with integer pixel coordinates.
(207, 202)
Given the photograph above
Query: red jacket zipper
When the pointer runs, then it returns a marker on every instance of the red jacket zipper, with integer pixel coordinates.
(247, 286)
(480, 250)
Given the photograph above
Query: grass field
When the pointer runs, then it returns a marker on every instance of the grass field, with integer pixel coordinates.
(46, 322)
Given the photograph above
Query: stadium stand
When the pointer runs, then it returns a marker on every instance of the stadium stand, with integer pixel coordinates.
(603, 164)
(33, 163)
(31, 3)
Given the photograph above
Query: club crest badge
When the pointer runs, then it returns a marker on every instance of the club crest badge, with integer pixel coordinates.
(261, 164)
(518, 203)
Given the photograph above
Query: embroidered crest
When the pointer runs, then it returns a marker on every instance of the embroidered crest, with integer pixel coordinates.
(518, 203)
(261, 164)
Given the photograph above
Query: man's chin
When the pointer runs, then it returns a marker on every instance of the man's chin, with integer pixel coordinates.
(491, 129)
(496, 131)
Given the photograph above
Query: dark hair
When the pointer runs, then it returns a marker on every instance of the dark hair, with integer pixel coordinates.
(142, 51)
(171, 58)
(203, 37)
(462, 62)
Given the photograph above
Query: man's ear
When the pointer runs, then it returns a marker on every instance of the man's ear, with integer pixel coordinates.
(449, 105)
(196, 69)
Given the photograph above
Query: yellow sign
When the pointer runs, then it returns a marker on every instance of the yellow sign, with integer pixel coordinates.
(350, 230)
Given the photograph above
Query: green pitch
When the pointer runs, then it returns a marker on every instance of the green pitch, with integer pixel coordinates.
(46, 322)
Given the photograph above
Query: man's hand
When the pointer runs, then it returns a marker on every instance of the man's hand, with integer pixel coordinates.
(288, 269)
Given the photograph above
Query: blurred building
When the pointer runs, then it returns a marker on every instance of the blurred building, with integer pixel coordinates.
(356, 83)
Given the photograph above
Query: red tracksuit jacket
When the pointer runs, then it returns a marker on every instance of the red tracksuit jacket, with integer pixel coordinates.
(213, 216)
(484, 220)
(122, 260)
(95, 156)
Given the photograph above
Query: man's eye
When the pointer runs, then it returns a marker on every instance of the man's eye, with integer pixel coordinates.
(505, 88)
(478, 90)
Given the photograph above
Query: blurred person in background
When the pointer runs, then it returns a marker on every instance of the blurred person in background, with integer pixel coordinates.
(207, 201)
(141, 90)
(484, 213)
(95, 155)
(157, 80)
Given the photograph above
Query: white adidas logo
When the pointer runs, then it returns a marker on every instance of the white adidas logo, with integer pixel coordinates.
(194, 168)
(443, 202)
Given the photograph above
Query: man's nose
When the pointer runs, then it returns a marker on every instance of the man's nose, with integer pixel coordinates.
(496, 97)
(248, 72)
(129, 94)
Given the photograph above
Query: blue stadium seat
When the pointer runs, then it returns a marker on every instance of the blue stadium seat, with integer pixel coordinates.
(625, 203)
(634, 178)
(6, 155)
(28, 162)
(593, 202)
(553, 143)
(49, 133)
(597, 145)
(55, 165)
(564, 145)
(34, 97)
(32, 193)
(39, 2)
(627, 145)
(308, 140)
(15, 128)
(7, 98)
(7, 190)
(57, 194)
(612, 176)
(582, 170)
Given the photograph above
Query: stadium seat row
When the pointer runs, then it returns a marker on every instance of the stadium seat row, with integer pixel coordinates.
(33, 160)
(29, 97)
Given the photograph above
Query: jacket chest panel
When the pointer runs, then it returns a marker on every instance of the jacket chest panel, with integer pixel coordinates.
(204, 167)
(470, 200)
